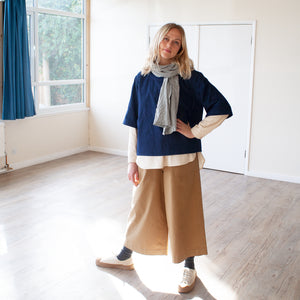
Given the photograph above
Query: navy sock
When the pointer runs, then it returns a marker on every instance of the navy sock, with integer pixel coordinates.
(124, 254)
(189, 263)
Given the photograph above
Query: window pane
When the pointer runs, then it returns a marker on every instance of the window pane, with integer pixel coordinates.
(75, 6)
(60, 47)
(60, 95)
(30, 42)
(29, 32)
(29, 3)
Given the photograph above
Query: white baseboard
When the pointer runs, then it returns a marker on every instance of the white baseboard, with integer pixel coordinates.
(108, 150)
(43, 159)
(46, 158)
(272, 176)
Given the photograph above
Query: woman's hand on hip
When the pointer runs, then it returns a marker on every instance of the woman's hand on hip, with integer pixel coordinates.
(133, 173)
(184, 129)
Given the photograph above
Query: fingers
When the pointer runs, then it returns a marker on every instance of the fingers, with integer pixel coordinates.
(136, 179)
(184, 129)
(133, 173)
(181, 126)
(179, 123)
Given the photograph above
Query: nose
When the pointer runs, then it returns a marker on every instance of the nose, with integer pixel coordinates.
(169, 44)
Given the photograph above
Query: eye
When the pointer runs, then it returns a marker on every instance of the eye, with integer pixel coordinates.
(177, 44)
(166, 39)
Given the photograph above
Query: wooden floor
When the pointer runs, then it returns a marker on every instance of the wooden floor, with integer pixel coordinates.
(55, 218)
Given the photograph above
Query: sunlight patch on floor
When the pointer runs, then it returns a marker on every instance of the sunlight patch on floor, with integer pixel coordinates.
(158, 273)
(8, 286)
(125, 290)
(208, 274)
(105, 237)
(3, 243)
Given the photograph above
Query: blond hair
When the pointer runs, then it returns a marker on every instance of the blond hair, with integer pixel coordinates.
(182, 59)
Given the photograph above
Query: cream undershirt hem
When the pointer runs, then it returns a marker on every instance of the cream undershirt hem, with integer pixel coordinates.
(158, 162)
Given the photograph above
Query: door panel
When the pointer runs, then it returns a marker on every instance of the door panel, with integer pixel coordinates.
(225, 59)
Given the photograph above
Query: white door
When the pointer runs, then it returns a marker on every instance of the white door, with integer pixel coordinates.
(223, 54)
(225, 59)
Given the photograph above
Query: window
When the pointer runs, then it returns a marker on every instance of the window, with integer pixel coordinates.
(56, 35)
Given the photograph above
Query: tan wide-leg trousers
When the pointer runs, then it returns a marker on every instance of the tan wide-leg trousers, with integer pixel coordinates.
(167, 207)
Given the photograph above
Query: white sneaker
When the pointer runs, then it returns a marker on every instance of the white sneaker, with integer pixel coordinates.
(114, 262)
(188, 280)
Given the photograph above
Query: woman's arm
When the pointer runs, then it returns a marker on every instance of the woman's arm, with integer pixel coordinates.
(207, 125)
(201, 129)
(132, 171)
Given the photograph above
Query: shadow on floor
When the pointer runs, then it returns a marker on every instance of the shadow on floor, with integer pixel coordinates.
(132, 278)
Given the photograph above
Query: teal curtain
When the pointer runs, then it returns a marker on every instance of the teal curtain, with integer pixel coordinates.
(18, 101)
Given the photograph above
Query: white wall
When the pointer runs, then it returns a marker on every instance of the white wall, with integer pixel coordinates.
(119, 46)
(42, 138)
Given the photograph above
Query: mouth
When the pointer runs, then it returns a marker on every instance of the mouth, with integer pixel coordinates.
(167, 50)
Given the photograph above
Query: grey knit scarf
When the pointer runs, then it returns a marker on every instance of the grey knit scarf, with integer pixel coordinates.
(167, 105)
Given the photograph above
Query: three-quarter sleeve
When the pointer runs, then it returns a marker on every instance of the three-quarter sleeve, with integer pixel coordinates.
(131, 116)
(209, 96)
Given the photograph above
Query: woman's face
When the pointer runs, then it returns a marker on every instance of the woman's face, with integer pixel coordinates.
(169, 46)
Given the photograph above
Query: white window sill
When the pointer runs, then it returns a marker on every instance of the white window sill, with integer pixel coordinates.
(62, 109)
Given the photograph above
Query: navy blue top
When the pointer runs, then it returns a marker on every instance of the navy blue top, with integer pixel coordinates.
(196, 93)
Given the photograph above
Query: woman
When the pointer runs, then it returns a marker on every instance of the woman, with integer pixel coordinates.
(166, 127)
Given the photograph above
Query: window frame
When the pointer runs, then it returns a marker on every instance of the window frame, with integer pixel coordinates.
(33, 12)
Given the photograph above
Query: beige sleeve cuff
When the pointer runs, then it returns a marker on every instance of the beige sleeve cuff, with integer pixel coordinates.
(132, 140)
(207, 125)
